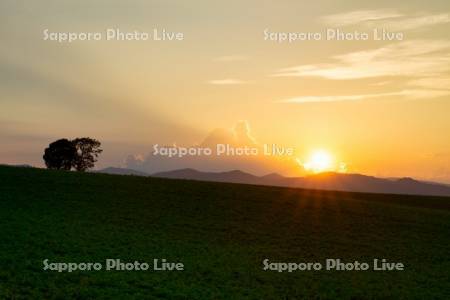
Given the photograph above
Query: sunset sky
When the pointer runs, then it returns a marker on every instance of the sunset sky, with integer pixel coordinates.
(380, 107)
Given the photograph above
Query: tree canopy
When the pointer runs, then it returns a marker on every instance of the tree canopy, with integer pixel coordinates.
(60, 155)
(87, 152)
(80, 154)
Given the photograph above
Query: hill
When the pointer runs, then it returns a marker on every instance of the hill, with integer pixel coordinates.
(121, 171)
(323, 181)
(221, 232)
(234, 176)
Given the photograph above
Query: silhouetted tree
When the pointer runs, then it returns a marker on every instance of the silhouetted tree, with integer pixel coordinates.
(60, 155)
(87, 152)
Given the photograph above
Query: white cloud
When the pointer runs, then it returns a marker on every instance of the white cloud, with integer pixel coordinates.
(423, 63)
(355, 17)
(391, 20)
(309, 99)
(412, 94)
(239, 136)
(416, 22)
(428, 62)
(409, 58)
(228, 81)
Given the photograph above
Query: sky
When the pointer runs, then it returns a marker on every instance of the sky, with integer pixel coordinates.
(378, 107)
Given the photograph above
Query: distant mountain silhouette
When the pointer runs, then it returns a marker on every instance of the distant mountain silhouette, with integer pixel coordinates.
(18, 166)
(121, 171)
(321, 181)
(234, 176)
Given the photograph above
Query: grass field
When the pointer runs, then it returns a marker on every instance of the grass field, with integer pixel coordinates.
(221, 232)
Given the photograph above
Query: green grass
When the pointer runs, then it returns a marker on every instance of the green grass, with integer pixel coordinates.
(221, 232)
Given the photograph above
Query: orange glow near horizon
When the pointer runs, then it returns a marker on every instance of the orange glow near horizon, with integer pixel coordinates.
(319, 161)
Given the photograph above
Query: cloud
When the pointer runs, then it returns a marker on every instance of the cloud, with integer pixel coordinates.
(133, 161)
(242, 133)
(230, 58)
(416, 22)
(382, 83)
(425, 63)
(432, 83)
(388, 19)
(359, 16)
(413, 94)
(309, 99)
(409, 58)
(239, 136)
(228, 81)
(424, 93)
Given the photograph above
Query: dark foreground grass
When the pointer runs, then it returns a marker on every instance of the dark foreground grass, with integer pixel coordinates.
(221, 232)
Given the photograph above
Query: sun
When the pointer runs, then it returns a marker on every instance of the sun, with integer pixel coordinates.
(319, 161)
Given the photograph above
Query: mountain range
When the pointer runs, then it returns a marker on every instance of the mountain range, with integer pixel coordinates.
(321, 181)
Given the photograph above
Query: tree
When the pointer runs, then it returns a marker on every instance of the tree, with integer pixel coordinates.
(80, 153)
(60, 155)
(87, 150)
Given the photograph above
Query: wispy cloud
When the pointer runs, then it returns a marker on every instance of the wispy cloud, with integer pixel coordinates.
(419, 68)
(359, 16)
(409, 58)
(230, 58)
(389, 19)
(309, 99)
(228, 81)
(411, 94)
(416, 22)
(425, 62)
(432, 83)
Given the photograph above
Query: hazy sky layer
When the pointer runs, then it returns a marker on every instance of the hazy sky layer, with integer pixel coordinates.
(382, 107)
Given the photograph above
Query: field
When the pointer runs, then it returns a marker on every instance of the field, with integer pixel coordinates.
(221, 232)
